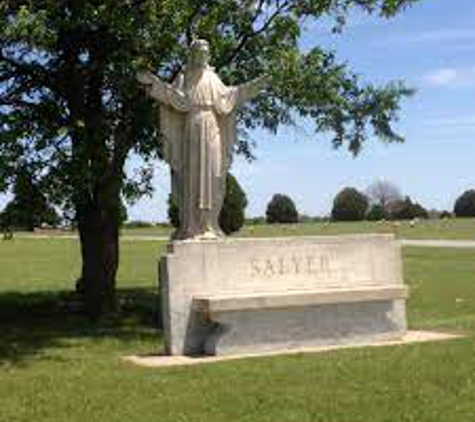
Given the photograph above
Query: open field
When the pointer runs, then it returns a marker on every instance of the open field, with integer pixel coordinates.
(455, 229)
(450, 229)
(55, 366)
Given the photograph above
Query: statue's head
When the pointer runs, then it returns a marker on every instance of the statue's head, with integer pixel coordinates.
(200, 54)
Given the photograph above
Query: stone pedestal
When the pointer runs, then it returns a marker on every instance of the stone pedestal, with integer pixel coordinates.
(235, 296)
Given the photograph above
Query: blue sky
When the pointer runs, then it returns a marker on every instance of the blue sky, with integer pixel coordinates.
(432, 47)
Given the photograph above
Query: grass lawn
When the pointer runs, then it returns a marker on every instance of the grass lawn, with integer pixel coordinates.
(453, 229)
(57, 367)
(456, 229)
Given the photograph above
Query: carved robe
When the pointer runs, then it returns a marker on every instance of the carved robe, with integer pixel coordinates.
(198, 122)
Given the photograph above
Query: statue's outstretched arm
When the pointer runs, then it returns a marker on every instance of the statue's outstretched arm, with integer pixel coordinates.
(162, 91)
(247, 91)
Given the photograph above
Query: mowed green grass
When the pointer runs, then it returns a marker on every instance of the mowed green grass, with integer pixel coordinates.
(456, 229)
(55, 366)
(449, 229)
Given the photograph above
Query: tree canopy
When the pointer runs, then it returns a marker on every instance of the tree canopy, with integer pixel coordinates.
(465, 204)
(68, 72)
(29, 208)
(383, 193)
(407, 210)
(377, 213)
(350, 205)
(281, 209)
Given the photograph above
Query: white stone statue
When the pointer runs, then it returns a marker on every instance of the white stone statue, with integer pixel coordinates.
(198, 123)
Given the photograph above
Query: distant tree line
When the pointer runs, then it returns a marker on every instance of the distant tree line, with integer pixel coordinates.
(382, 200)
(29, 207)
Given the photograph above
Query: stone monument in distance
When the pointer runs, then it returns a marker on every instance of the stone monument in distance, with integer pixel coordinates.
(229, 296)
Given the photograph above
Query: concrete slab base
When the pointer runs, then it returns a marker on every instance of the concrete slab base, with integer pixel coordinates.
(163, 361)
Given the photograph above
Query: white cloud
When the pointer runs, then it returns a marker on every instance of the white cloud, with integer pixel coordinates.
(451, 77)
(441, 77)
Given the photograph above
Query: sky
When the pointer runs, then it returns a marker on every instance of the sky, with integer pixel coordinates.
(431, 46)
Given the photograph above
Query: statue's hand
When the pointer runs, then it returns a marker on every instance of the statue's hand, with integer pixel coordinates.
(145, 78)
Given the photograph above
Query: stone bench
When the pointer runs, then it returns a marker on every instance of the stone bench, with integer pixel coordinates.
(298, 298)
(268, 321)
(237, 296)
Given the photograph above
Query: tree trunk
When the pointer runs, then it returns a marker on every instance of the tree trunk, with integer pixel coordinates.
(99, 236)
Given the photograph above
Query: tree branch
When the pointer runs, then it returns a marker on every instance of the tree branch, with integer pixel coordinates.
(247, 36)
(191, 23)
(35, 72)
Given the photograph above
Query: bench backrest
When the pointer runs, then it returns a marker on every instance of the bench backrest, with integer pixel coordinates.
(273, 265)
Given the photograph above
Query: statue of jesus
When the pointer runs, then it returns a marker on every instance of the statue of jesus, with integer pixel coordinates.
(198, 123)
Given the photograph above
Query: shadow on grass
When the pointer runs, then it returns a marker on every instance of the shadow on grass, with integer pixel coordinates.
(32, 322)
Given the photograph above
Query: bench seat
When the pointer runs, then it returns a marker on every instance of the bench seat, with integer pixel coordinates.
(296, 298)
(269, 321)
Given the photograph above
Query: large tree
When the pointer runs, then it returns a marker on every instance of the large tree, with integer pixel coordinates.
(383, 194)
(350, 205)
(407, 210)
(281, 209)
(465, 204)
(69, 101)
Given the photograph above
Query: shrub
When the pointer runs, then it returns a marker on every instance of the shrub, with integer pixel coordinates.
(173, 212)
(29, 207)
(465, 204)
(446, 214)
(232, 215)
(418, 211)
(408, 210)
(281, 209)
(377, 213)
(350, 205)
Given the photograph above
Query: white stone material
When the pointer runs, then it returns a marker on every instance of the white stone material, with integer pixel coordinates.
(281, 293)
(198, 124)
(295, 299)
